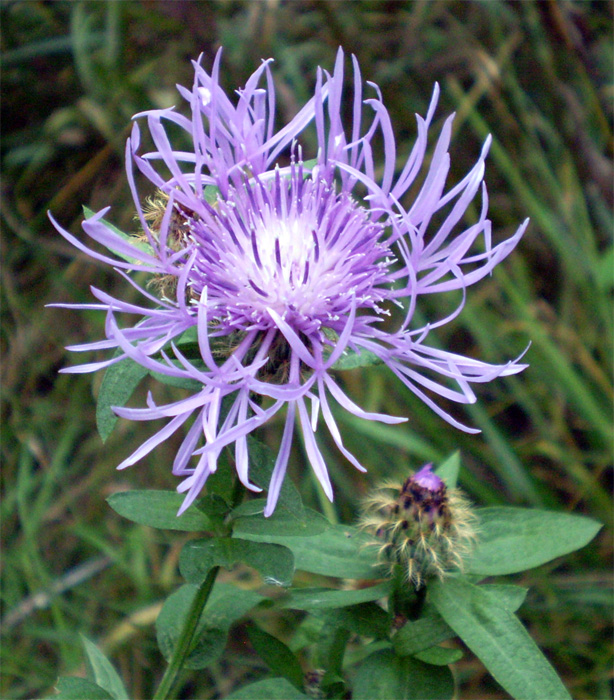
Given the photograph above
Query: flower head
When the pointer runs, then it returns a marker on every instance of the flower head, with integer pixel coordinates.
(280, 266)
(422, 528)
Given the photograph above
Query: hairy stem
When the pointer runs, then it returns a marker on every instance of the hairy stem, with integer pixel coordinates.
(182, 648)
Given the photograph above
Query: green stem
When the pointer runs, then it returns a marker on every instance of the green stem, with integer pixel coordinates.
(182, 648)
(418, 603)
(405, 600)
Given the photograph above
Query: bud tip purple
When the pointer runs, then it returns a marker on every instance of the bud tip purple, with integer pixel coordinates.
(426, 479)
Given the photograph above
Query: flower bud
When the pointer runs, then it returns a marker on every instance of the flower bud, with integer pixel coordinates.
(424, 529)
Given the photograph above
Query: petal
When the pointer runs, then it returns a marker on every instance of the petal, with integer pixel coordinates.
(281, 463)
(313, 451)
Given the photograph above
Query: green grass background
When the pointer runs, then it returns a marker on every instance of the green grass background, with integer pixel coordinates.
(537, 75)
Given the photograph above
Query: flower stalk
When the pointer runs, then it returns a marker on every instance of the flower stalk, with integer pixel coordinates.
(184, 643)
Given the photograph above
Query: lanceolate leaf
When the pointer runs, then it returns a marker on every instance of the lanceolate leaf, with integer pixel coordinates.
(350, 359)
(515, 539)
(122, 378)
(331, 649)
(180, 382)
(248, 519)
(417, 635)
(70, 688)
(327, 598)
(439, 656)
(431, 629)
(509, 596)
(448, 470)
(276, 655)
(366, 619)
(102, 671)
(384, 676)
(118, 384)
(159, 509)
(498, 639)
(274, 562)
(341, 551)
(268, 689)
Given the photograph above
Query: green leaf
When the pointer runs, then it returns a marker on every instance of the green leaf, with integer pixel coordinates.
(366, 619)
(220, 488)
(276, 655)
(132, 240)
(159, 509)
(384, 676)
(274, 562)
(118, 384)
(325, 598)
(515, 539)
(426, 632)
(268, 689)
(330, 650)
(70, 688)
(249, 520)
(509, 596)
(188, 337)
(102, 671)
(439, 656)
(214, 506)
(604, 269)
(448, 470)
(309, 165)
(187, 342)
(180, 382)
(498, 639)
(211, 193)
(340, 551)
(350, 359)
(333, 686)
(170, 622)
(431, 629)
(225, 606)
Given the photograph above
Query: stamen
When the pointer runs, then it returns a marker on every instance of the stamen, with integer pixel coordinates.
(316, 245)
(257, 288)
(277, 191)
(255, 249)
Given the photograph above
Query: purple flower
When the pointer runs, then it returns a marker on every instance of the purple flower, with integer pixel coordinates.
(281, 267)
(426, 479)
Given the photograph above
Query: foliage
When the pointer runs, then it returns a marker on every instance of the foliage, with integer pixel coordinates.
(406, 661)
